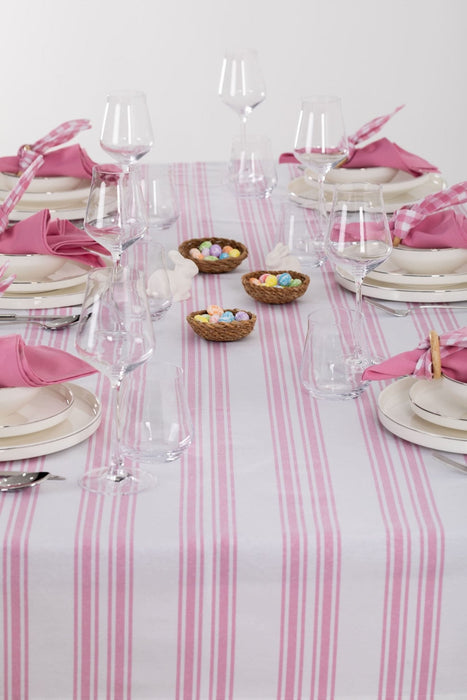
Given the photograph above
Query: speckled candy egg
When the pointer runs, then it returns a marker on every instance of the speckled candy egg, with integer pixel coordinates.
(284, 279)
(242, 316)
(227, 317)
(215, 250)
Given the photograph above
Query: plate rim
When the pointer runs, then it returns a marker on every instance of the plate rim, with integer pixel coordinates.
(68, 398)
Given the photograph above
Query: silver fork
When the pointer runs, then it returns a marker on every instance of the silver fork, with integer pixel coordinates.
(410, 310)
(462, 467)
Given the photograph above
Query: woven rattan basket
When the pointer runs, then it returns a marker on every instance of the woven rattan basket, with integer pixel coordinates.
(222, 332)
(214, 267)
(275, 295)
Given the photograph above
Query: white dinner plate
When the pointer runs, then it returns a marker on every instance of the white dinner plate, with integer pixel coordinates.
(344, 176)
(44, 200)
(440, 401)
(75, 214)
(400, 292)
(395, 194)
(390, 272)
(395, 413)
(48, 185)
(57, 298)
(47, 406)
(70, 274)
(80, 423)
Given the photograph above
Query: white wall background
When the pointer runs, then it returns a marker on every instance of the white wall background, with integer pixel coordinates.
(60, 58)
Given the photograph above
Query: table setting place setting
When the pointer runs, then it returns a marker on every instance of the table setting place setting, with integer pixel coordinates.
(76, 233)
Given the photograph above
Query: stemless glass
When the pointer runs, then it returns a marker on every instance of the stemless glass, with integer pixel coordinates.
(126, 133)
(358, 237)
(159, 195)
(241, 85)
(115, 335)
(320, 140)
(115, 214)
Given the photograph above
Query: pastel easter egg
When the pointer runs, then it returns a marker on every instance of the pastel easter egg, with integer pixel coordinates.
(241, 316)
(254, 281)
(223, 256)
(227, 249)
(284, 279)
(214, 318)
(215, 309)
(209, 257)
(227, 317)
(234, 253)
(270, 281)
(215, 250)
(195, 253)
(262, 278)
(205, 244)
(201, 318)
(295, 282)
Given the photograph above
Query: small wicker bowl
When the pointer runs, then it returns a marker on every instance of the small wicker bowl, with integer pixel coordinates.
(275, 295)
(214, 266)
(222, 332)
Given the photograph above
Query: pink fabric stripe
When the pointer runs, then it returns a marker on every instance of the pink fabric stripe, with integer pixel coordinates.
(17, 191)
(60, 134)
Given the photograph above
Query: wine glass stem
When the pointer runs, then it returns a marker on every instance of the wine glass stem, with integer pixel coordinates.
(117, 465)
(243, 120)
(322, 206)
(358, 317)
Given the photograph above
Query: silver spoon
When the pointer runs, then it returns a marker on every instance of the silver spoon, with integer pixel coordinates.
(409, 310)
(51, 323)
(11, 481)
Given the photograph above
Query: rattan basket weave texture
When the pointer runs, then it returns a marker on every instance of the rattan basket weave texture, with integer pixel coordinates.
(214, 267)
(275, 295)
(222, 332)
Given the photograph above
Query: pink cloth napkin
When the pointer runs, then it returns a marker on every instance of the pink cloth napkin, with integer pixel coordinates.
(70, 161)
(41, 234)
(453, 352)
(27, 365)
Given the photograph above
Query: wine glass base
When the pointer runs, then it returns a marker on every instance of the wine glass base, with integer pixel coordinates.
(123, 483)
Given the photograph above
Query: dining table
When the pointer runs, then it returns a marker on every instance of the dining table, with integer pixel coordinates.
(297, 549)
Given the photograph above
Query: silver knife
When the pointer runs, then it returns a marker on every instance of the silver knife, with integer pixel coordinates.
(10, 481)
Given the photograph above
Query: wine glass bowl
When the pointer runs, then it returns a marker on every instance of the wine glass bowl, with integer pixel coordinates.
(115, 336)
(126, 133)
(241, 85)
(115, 214)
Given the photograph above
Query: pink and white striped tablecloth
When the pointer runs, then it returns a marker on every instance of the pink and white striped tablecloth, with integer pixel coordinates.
(298, 550)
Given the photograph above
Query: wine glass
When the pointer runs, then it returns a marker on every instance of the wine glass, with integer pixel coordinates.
(320, 140)
(159, 195)
(115, 214)
(126, 133)
(241, 85)
(358, 238)
(115, 335)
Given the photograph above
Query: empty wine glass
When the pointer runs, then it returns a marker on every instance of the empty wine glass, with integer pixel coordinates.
(300, 230)
(115, 214)
(241, 85)
(159, 194)
(320, 140)
(126, 133)
(358, 237)
(115, 335)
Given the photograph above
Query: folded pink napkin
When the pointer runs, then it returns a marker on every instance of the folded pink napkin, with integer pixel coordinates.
(27, 365)
(453, 353)
(70, 161)
(433, 222)
(41, 234)
(380, 153)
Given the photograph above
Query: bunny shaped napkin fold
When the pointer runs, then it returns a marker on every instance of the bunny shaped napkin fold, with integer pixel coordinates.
(70, 161)
(379, 153)
(41, 234)
(40, 365)
(446, 353)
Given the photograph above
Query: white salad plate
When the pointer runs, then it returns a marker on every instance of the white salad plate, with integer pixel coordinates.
(395, 194)
(377, 289)
(70, 274)
(347, 176)
(42, 408)
(49, 185)
(73, 214)
(441, 401)
(81, 422)
(390, 271)
(45, 200)
(396, 414)
(56, 298)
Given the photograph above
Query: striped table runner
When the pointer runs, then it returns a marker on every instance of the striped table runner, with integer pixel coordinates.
(297, 550)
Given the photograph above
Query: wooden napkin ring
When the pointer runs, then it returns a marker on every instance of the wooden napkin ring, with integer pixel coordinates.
(395, 241)
(435, 355)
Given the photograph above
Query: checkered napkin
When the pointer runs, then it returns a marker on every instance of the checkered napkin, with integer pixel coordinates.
(71, 161)
(40, 365)
(5, 281)
(419, 362)
(16, 193)
(380, 153)
(433, 222)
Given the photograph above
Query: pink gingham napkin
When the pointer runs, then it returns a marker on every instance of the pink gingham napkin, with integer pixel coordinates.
(41, 234)
(70, 161)
(433, 222)
(6, 281)
(380, 153)
(40, 365)
(453, 353)
(16, 193)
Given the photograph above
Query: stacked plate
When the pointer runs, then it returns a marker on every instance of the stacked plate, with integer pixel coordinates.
(65, 197)
(417, 275)
(399, 188)
(35, 421)
(432, 413)
(43, 282)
